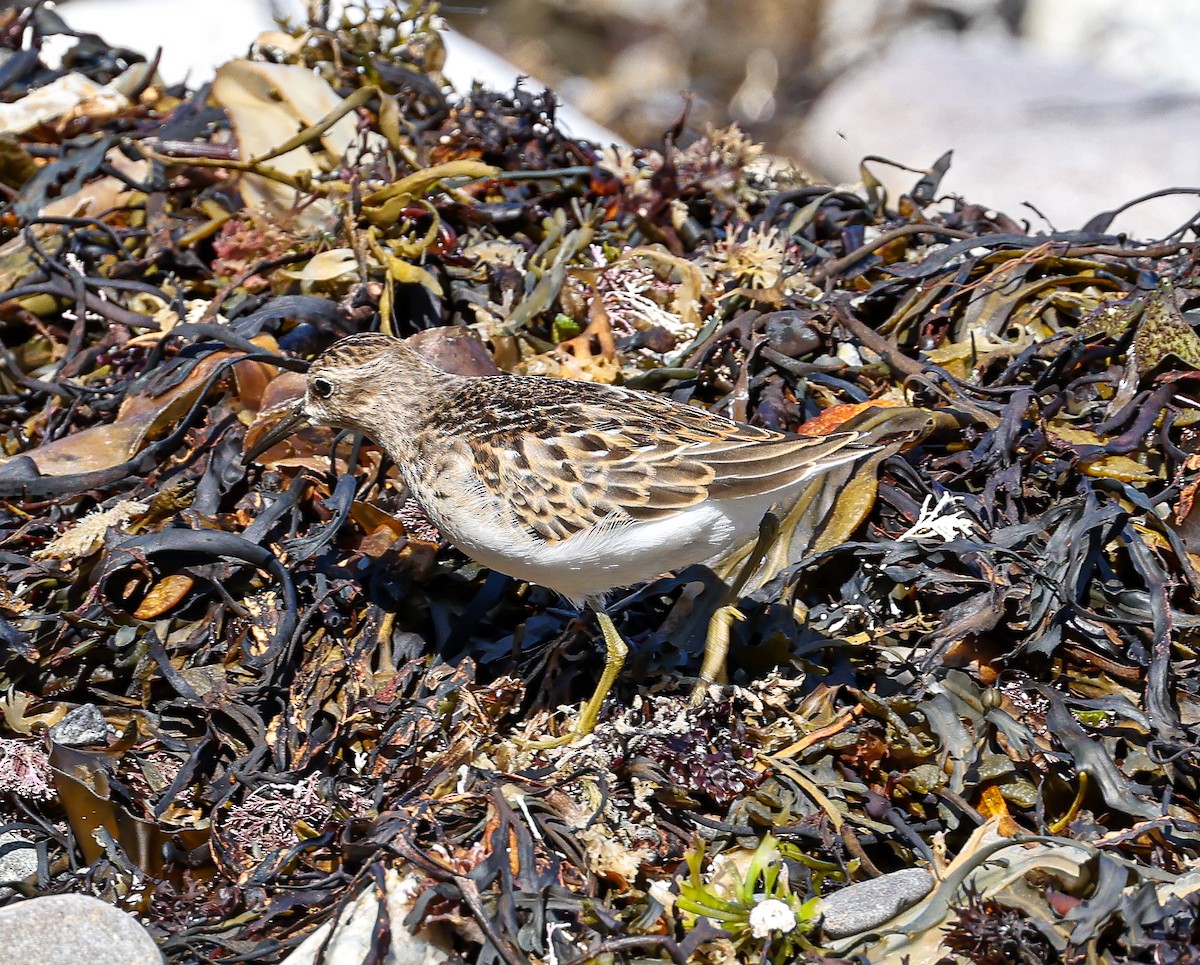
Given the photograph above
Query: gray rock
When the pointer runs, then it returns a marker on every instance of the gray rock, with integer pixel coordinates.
(82, 727)
(69, 929)
(868, 904)
(18, 860)
(1064, 136)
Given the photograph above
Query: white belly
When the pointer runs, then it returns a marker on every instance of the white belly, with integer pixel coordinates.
(590, 563)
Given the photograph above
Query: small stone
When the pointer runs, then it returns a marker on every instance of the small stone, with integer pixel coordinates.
(868, 904)
(791, 333)
(69, 929)
(82, 727)
(18, 860)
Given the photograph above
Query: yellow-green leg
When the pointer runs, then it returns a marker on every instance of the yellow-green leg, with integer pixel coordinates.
(615, 651)
(716, 649)
(716, 640)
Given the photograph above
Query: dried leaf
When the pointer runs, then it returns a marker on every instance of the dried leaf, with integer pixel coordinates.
(167, 593)
(1109, 467)
(327, 266)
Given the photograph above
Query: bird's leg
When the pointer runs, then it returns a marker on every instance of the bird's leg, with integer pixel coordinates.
(716, 649)
(716, 641)
(768, 532)
(615, 650)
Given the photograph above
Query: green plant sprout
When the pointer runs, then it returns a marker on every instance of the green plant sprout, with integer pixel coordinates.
(761, 914)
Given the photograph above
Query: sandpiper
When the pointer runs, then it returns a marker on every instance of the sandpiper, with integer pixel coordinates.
(578, 487)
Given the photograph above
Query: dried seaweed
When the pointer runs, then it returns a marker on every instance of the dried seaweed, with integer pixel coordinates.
(982, 640)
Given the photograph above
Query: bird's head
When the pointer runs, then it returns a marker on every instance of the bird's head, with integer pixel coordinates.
(352, 384)
(366, 382)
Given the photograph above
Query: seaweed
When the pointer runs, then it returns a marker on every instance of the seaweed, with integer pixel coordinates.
(982, 642)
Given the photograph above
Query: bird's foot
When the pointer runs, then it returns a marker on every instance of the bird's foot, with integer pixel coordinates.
(716, 649)
(578, 732)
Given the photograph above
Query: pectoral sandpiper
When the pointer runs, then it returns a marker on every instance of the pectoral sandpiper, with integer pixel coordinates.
(578, 487)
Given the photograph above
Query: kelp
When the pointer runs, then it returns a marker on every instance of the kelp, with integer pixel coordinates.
(974, 652)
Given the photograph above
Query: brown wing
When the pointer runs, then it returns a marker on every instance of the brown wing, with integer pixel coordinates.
(570, 457)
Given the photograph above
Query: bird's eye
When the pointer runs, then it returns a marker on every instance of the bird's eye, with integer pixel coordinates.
(322, 388)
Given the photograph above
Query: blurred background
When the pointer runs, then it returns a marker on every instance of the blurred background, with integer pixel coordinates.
(1056, 110)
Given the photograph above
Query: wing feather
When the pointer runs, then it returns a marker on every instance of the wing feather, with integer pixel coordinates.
(568, 461)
